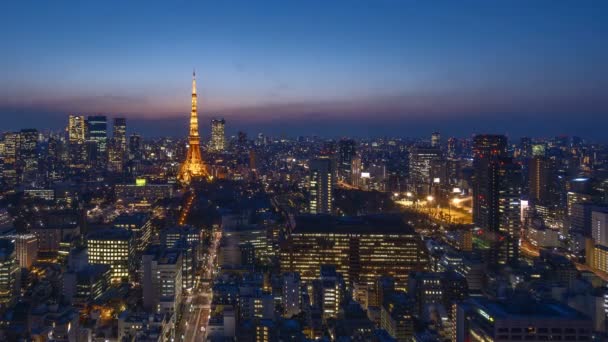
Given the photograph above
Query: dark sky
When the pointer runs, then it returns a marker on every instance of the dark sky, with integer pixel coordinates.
(365, 68)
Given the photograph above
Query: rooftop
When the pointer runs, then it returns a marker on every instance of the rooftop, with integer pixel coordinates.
(523, 307)
(110, 234)
(370, 224)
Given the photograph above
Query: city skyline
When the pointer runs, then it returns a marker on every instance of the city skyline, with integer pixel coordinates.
(331, 69)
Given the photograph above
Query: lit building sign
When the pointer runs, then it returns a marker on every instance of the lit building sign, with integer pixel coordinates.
(485, 315)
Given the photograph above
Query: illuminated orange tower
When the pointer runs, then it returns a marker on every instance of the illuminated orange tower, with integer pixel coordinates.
(193, 167)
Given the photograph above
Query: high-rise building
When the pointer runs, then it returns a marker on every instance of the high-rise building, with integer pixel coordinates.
(453, 147)
(117, 151)
(356, 172)
(140, 224)
(421, 161)
(362, 248)
(328, 292)
(28, 154)
(76, 129)
(397, 316)
(26, 249)
(525, 146)
(218, 135)
(76, 137)
(11, 142)
(135, 148)
(497, 187)
(540, 178)
(509, 211)
(162, 280)
(436, 140)
(321, 186)
(599, 227)
(193, 167)
(347, 149)
(98, 132)
(291, 294)
(120, 133)
(9, 272)
(114, 247)
(487, 149)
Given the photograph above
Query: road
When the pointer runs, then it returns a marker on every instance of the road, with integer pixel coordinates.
(443, 215)
(198, 305)
(186, 209)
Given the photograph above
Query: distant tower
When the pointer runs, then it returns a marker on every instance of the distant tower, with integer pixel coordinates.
(76, 138)
(118, 148)
(98, 132)
(193, 167)
(435, 139)
(348, 150)
(76, 128)
(218, 139)
(120, 133)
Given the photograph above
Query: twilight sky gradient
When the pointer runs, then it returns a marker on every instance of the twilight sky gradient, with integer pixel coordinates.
(367, 68)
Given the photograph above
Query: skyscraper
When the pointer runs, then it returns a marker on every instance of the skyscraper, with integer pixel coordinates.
(120, 133)
(218, 138)
(540, 177)
(76, 137)
(193, 167)
(436, 139)
(135, 147)
(76, 129)
(509, 211)
(487, 149)
(321, 185)
(497, 187)
(9, 272)
(98, 132)
(11, 147)
(28, 155)
(118, 147)
(355, 177)
(421, 160)
(347, 149)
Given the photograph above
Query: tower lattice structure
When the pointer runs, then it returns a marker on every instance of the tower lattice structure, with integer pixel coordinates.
(193, 166)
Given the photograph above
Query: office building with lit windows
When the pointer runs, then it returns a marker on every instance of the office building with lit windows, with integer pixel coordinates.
(114, 247)
(328, 292)
(361, 248)
(162, 279)
(347, 149)
(97, 131)
(396, 316)
(497, 189)
(140, 224)
(9, 272)
(218, 135)
(26, 249)
(76, 129)
(321, 186)
(118, 148)
(28, 154)
(421, 161)
(76, 132)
